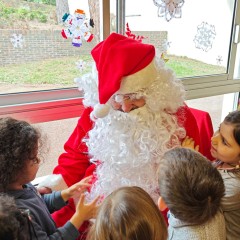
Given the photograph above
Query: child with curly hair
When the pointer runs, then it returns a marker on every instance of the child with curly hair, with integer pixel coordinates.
(128, 213)
(19, 163)
(226, 150)
(14, 223)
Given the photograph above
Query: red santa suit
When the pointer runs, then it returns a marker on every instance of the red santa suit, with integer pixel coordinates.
(140, 75)
(74, 163)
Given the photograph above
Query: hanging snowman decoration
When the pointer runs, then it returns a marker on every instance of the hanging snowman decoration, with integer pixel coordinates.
(77, 27)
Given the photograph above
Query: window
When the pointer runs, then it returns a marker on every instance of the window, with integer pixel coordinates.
(202, 47)
(197, 41)
(40, 47)
(42, 53)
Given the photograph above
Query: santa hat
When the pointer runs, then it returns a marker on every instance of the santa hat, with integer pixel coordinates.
(124, 66)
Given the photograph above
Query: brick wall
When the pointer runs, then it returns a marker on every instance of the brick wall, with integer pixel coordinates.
(155, 38)
(47, 44)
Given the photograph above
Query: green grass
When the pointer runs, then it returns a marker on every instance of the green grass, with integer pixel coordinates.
(55, 71)
(187, 67)
(18, 12)
(63, 70)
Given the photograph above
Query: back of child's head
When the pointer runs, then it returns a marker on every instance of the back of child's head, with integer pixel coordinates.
(190, 186)
(18, 144)
(233, 118)
(129, 213)
(13, 224)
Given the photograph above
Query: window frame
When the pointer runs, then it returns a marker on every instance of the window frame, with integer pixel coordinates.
(49, 105)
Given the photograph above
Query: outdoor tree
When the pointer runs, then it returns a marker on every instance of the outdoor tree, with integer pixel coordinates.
(61, 8)
(95, 15)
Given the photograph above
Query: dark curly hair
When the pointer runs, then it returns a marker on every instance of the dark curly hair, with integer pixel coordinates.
(13, 224)
(18, 144)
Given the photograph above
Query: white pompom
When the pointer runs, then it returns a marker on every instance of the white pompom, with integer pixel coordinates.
(92, 117)
(100, 111)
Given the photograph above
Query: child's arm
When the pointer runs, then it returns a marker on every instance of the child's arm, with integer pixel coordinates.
(57, 199)
(189, 143)
(84, 211)
(43, 226)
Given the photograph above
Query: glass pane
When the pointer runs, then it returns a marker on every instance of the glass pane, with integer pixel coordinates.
(113, 14)
(237, 65)
(39, 47)
(194, 35)
(212, 105)
(217, 106)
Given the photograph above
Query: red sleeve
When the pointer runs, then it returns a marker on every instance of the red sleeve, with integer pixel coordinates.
(72, 164)
(198, 126)
(205, 127)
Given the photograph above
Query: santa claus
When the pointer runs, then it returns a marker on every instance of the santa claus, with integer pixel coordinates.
(134, 112)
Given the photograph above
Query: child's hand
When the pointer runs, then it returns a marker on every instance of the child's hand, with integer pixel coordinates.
(87, 210)
(84, 211)
(189, 143)
(76, 188)
(44, 190)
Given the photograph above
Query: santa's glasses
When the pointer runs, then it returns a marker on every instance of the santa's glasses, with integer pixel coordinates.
(119, 98)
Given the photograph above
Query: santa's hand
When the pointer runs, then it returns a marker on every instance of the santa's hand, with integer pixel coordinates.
(76, 189)
(84, 211)
(189, 143)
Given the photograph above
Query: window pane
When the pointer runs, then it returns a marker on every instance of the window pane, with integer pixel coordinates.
(195, 40)
(237, 66)
(37, 52)
(217, 107)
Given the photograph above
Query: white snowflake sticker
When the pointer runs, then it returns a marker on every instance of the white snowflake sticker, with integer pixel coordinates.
(219, 60)
(81, 65)
(17, 40)
(205, 36)
(166, 44)
(169, 8)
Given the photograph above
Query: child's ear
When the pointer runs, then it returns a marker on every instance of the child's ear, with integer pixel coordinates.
(161, 204)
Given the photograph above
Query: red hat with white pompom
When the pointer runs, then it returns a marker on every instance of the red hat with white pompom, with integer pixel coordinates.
(124, 66)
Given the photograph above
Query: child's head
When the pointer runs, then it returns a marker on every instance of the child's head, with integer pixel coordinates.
(189, 185)
(13, 223)
(226, 141)
(233, 118)
(129, 213)
(18, 152)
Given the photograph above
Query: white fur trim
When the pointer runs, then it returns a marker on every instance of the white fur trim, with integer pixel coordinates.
(92, 117)
(139, 80)
(100, 111)
(54, 182)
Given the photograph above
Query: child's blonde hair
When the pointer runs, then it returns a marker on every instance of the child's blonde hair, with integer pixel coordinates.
(129, 213)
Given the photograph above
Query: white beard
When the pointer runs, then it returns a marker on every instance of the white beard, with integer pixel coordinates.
(129, 147)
